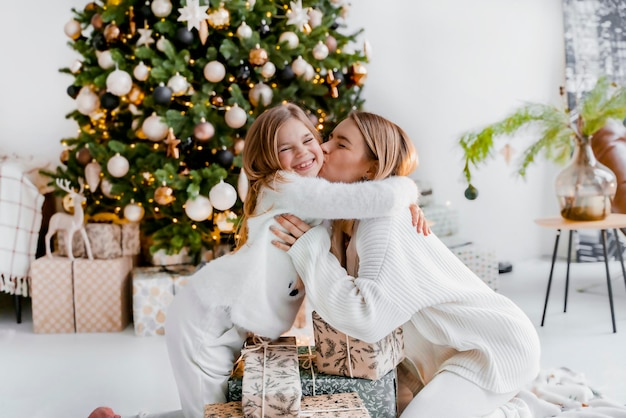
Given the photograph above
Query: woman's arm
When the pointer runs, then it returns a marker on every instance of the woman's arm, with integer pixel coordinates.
(317, 198)
(367, 307)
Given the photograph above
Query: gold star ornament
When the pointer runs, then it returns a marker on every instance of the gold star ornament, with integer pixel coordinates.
(172, 145)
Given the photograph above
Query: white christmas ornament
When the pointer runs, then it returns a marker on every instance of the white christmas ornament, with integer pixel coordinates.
(299, 66)
(87, 101)
(223, 196)
(244, 31)
(242, 185)
(309, 73)
(291, 38)
(235, 117)
(105, 59)
(193, 13)
(315, 17)
(268, 70)
(261, 94)
(119, 83)
(296, 15)
(154, 129)
(133, 212)
(214, 71)
(161, 44)
(92, 175)
(320, 51)
(198, 209)
(161, 8)
(106, 186)
(141, 72)
(118, 166)
(145, 37)
(76, 66)
(178, 84)
(72, 29)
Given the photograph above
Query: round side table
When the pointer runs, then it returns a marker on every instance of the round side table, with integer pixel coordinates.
(612, 222)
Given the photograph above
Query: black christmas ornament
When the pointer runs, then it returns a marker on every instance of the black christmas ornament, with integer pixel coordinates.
(224, 157)
(186, 144)
(243, 71)
(334, 25)
(286, 74)
(73, 90)
(264, 28)
(109, 101)
(99, 42)
(162, 95)
(184, 36)
(471, 192)
(339, 77)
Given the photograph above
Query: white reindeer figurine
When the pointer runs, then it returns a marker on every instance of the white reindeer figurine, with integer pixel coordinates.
(67, 223)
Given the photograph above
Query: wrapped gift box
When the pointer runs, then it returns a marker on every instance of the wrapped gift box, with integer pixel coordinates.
(153, 291)
(340, 405)
(378, 396)
(271, 383)
(80, 295)
(107, 240)
(340, 354)
(482, 262)
(444, 219)
(223, 410)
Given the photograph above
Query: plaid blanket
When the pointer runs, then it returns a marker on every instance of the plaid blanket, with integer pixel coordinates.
(20, 222)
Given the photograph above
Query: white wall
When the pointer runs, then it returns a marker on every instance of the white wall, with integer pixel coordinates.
(439, 68)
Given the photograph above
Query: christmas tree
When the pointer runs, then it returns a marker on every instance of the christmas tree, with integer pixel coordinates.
(165, 91)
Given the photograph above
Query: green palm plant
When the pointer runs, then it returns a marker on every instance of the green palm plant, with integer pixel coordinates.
(558, 130)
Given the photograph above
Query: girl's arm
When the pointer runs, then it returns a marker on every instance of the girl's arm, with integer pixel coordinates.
(312, 197)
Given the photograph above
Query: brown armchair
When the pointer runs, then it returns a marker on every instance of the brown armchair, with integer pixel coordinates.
(609, 147)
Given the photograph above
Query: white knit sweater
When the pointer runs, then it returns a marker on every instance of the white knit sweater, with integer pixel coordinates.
(451, 319)
(255, 284)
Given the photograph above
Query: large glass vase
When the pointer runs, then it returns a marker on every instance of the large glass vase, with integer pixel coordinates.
(585, 187)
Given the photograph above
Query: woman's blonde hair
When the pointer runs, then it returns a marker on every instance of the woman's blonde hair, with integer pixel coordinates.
(260, 154)
(388, 144)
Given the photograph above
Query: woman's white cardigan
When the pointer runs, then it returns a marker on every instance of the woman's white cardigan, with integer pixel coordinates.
(255, 283)
(451, 319)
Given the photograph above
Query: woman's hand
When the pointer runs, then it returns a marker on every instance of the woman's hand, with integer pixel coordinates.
(419, 220)
(295, 227)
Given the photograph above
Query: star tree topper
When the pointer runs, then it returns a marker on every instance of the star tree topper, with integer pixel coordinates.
(193, 14)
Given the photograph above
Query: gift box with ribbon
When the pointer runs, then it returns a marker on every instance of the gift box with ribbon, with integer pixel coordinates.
(223, 410)
(271, 383)
(153, 291)
(109, 237)
(378, 396)
(342, 355)
(338, 405)
(80, 295)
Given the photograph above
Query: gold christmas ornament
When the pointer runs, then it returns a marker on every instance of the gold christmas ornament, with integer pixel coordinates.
(258, 56)
(358, 74)
(164, 195)
(203, 32)
(97, 22)
(332, 84)
(111, 32)
(65, 155)
(217, 101)
(219, 19)
(91, 7)
(172, 145)
(114, 2)
(136, 95)
(72, 29)
(238, 146)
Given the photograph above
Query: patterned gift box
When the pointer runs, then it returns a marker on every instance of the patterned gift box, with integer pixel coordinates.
(444, 219)
(342, 355)
(270, 384)
(107, 240)
(482, 262)
(153, 291)
(340, 405)
(378, 396)
(80, 295)
(223, 410)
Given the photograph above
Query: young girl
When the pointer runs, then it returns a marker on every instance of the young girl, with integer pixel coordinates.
(254, 288)
(469, 349)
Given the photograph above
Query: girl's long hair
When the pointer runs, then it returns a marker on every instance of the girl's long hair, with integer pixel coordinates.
(260, 155)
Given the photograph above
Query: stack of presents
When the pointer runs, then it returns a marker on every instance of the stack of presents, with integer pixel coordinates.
(339, 376)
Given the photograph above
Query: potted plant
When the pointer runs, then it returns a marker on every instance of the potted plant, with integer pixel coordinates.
(584, 187)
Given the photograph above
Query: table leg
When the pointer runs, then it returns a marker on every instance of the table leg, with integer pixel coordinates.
(608, 277)
(556, 247)
(619, 254)
(569, 259)
(18, 308)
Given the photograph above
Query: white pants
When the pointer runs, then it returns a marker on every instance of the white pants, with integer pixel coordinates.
(449, 395)
(203, 345)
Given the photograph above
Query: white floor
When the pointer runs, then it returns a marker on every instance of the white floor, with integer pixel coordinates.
(68, 375)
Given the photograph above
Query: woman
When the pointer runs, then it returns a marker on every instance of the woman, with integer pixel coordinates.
(470, 349)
